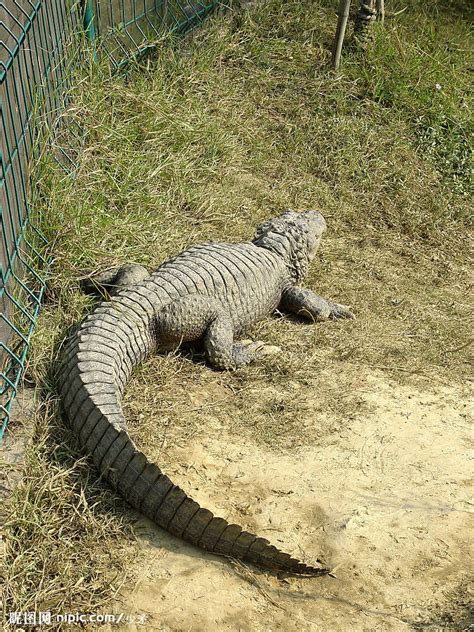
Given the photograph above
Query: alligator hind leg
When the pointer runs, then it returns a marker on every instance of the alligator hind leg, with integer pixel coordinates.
(202, 318)
(112, 281)
(221, 350)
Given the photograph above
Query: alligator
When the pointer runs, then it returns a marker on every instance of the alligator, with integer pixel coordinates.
(208, 295)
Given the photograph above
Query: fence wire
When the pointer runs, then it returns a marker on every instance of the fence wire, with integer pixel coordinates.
(41, 41)
(129, 27)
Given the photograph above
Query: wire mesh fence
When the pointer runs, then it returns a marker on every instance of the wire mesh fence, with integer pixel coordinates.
(129, 27)
(41, 43)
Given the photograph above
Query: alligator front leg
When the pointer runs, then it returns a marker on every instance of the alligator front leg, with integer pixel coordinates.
(309, 305)
(202, 318)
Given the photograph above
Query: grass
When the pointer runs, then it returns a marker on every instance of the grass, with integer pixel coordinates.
(204, 140)
(59, 537)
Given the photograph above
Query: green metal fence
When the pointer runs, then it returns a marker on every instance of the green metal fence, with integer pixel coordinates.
(129, 27)
(41, 42)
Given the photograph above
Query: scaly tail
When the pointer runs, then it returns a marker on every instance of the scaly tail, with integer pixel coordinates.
(96, 366)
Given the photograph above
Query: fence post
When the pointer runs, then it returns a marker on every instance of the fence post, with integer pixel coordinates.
(89, 20)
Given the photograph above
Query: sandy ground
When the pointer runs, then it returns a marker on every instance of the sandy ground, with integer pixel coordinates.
(386, 502)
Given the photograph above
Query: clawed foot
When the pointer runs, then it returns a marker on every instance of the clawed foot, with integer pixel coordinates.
(247, 351)
(341, 311)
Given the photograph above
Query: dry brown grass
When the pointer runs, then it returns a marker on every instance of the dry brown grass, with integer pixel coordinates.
(65, 535)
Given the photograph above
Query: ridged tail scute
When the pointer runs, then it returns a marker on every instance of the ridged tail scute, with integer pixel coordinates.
(152, 493)
(91, 381)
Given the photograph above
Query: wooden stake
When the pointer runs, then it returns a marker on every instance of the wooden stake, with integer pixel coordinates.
(343, 16)
(381, 10)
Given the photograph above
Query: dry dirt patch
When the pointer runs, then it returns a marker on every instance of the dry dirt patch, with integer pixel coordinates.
(386, 502)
